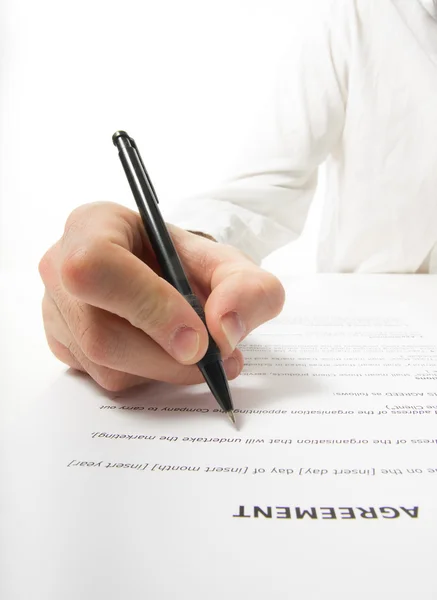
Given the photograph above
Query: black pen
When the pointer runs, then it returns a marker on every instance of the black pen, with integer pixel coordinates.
(211, 365)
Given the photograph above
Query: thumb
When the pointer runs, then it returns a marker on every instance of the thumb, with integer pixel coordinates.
(243, 297)
(240, 296)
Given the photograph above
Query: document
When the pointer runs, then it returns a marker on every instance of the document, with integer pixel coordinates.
(326, 489)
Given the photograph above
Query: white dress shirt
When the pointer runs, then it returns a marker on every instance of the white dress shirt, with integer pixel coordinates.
(362, 99)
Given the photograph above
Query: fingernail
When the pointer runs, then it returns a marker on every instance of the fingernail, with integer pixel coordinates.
(233, 328)
(231, 367)
(185, 344)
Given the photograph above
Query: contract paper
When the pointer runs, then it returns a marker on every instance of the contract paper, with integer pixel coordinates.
(327, 489)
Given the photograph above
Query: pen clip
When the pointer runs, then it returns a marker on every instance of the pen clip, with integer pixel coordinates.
(146, 175)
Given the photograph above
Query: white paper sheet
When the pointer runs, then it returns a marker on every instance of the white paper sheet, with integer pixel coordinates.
(327, 489)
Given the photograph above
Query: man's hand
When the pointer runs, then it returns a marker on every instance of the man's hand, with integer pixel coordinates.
(108, 312)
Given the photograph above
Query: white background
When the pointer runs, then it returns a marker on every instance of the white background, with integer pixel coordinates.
(184, 78)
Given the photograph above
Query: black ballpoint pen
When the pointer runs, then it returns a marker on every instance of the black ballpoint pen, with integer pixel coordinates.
(211, 365)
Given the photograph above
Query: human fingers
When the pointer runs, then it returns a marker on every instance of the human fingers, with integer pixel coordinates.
(105, 345)
(106, 340)
(56, 330)
(64, 347)
(98, 266)
(240, 295)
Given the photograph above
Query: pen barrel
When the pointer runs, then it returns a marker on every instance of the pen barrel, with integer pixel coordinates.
(213, 352)
(154, 224)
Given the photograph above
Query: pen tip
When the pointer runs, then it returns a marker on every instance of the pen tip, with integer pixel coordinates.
(231, 416)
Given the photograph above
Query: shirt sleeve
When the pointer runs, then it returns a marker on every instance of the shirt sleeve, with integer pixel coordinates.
(265, 204)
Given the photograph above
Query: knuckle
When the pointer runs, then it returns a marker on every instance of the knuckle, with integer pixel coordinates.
(72, 269)
(76, 354)
(110, 380)
(95, 342)
(208, 260)
(61, 352)
(52, 319)
(80, 269)
(185, 375)
(182, 375)
(58, 349)
(275, 292)
(45, 266)
(78, 218)
(63, 308)
(150, 311)
(77, 214)
(46, 308)
(75, 221)
(270, 293)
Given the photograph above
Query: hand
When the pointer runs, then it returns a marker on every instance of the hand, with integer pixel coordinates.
(107, 311)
